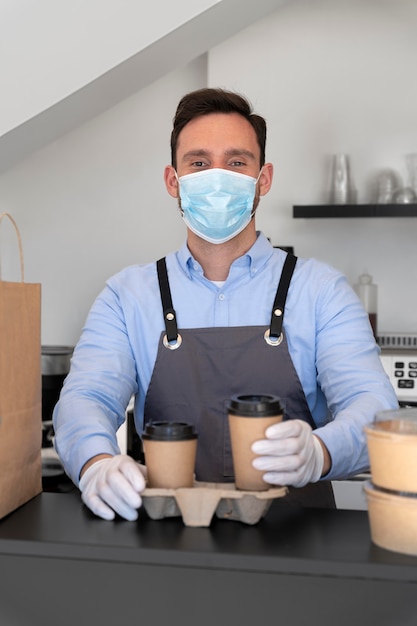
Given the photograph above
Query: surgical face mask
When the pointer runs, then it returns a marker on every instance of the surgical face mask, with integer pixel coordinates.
(217, 204)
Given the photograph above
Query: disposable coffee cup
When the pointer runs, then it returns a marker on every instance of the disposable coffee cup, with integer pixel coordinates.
(249, 417)
(170, 451)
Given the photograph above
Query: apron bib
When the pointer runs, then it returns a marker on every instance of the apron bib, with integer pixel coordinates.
(197, 371)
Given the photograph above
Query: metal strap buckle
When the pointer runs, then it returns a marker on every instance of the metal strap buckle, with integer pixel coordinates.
(272, 341)
(172, 345)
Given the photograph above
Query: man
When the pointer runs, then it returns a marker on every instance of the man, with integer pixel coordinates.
(186, 334)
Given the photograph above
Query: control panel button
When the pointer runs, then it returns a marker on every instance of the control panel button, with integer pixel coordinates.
(405, 384)
(401, 367)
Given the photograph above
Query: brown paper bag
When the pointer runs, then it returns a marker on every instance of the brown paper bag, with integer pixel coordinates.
(20, 390)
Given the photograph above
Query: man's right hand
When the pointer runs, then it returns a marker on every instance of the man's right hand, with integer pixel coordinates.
(113, 485)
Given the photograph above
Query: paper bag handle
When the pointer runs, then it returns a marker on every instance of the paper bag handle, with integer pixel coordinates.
(19, 239)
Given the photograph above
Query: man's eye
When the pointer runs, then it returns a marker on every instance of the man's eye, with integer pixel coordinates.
(237, 164)
(198, 164)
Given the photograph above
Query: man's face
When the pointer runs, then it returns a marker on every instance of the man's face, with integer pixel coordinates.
(223, 140)
(219, 140)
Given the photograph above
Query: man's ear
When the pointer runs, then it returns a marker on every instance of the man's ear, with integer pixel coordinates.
(171, 181)
(265, 179)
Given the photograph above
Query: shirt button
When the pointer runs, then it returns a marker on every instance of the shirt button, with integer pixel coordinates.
(221, 296)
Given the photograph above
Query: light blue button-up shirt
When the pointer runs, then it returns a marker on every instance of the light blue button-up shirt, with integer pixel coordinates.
(328, 332)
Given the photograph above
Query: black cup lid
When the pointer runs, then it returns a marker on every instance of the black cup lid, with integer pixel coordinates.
(253, 405)
(169, 431)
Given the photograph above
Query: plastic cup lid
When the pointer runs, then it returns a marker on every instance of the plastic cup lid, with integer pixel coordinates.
(255, 405)
(169, 431)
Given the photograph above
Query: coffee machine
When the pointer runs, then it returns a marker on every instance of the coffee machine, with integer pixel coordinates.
(55, 365)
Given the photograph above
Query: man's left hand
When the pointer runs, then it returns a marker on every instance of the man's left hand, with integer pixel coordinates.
(290, 455)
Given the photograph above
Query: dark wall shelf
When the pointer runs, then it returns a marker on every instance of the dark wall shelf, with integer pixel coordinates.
(355, 210)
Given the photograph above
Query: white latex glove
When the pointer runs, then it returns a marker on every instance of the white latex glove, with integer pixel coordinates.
(113, 485)
(291, 455)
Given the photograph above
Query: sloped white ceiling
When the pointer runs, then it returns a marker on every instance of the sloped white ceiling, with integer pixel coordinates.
(62, 63)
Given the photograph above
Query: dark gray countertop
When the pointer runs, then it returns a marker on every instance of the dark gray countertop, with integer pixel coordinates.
(289, 539)
(61, 565)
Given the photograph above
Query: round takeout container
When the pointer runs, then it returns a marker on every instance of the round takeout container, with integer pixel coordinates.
(392, 447)
(392, 520)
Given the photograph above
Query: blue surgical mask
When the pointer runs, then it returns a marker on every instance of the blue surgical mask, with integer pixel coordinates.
(217, 204)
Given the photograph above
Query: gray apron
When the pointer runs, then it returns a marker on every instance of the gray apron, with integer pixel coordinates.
(197, 370)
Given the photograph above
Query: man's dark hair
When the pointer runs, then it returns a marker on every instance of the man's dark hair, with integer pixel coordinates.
(207, 100)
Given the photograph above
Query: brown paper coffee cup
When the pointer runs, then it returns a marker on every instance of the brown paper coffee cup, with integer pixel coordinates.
(170, 451)
(249, 417)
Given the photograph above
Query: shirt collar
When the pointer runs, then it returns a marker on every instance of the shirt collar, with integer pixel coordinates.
(254, 259)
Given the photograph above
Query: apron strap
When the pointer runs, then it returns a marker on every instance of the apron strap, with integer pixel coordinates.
(273, 335)
(170, 318)
(277, 317)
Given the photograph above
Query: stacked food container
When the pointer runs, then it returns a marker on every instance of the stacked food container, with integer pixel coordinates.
(392, 491)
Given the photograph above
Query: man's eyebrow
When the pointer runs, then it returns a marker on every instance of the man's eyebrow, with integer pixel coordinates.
(240, 151)
(230, 152)
(195, 153)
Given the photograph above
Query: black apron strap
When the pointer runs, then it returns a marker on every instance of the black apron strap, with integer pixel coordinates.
(277, 316)
(170, 318)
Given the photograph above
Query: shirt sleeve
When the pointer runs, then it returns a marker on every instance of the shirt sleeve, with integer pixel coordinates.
(98, 388)
(349, 373)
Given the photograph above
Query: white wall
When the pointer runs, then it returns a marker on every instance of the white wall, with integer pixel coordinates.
(64, 63)
(95, 201)
(335, 76)
(329, 75)
(50, 49)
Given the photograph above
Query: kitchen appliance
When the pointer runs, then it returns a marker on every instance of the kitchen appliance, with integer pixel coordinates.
(399, 359)
(55, 365)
